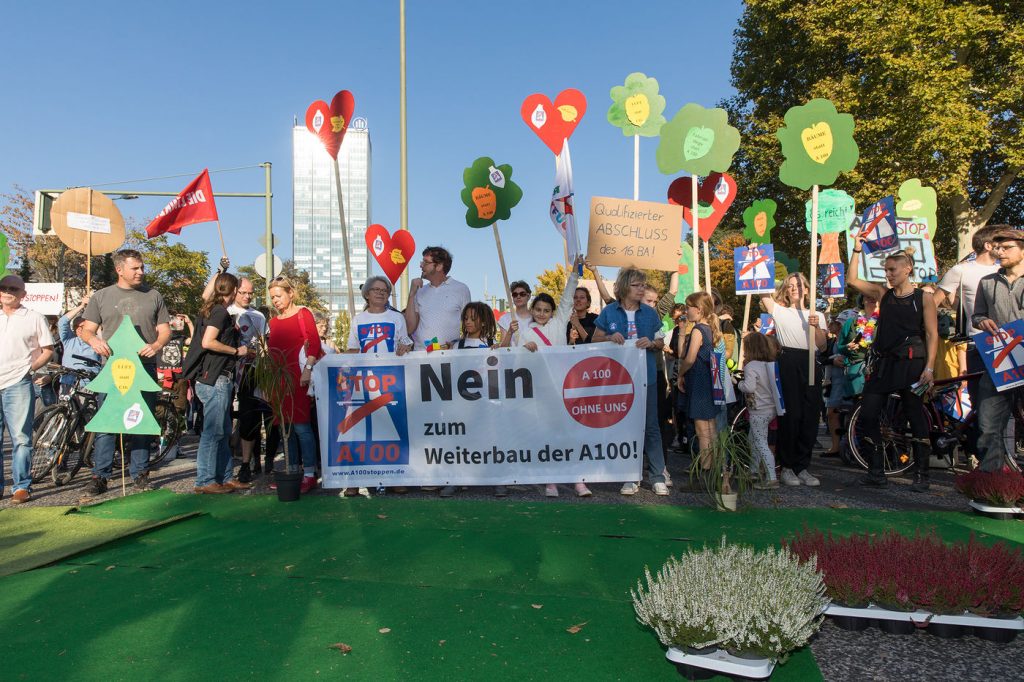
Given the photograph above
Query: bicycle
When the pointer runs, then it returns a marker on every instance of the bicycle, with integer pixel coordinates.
(947, 434)
(59, 440)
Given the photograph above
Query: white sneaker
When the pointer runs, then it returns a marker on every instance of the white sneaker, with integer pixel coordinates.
(788, 477)
(808, 478)
(660, 489)
(582, 490)
(551, 490)
(668, 479)
(629, 488)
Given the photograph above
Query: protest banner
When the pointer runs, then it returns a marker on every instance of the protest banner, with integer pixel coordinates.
(878, 227)
(482, 417)
(45, 298)
(641, 233)
(754, 269)
(913, 236)
(1003, 355)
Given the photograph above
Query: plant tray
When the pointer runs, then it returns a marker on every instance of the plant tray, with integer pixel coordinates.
(995, 512)
(721, 662)
(993, 629)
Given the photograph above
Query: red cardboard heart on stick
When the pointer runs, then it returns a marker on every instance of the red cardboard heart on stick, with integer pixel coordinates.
(392, 252)
(714, 197)
(329, 123)
(554, 123)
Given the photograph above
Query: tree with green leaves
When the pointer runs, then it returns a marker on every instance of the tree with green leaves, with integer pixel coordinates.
(936, 89)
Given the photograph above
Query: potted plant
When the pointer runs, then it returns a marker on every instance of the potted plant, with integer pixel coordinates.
(724, 470)
(993, 493)
(274, 384)
(732, 609)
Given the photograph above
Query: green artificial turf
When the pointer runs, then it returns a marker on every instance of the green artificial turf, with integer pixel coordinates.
(253, 588)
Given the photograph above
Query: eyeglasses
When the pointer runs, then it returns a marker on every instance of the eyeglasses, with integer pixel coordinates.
(378, 290)
(427, 261)
(244, 293)
(1000, 246)
(520, 294)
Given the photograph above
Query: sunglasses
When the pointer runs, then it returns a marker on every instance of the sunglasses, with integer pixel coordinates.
(520, 294)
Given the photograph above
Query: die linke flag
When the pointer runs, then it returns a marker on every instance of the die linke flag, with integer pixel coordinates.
(193, 205)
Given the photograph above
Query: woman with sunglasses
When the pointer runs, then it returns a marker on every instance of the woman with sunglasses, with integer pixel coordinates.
(901, 360)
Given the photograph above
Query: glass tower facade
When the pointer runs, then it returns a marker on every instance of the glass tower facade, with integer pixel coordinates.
(316, 235)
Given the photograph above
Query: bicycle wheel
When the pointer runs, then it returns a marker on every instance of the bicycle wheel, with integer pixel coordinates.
(740, 423)
(171, 427)
(897, 449)
(49, 437)
(69, 460)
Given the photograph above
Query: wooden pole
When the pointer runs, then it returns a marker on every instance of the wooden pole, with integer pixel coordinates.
(693, 229)
(223, 250)
(88, 254)
(344, 242)
(813, 283)
(504, 271)
(707, 268)
(743, 329)
(403, 137)
(124, 491)
(636, 168)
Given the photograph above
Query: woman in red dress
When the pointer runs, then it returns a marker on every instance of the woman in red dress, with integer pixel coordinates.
(294, 330)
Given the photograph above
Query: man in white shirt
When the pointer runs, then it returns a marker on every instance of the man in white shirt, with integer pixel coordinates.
(435, 300)
(27, 346)
(959, 285)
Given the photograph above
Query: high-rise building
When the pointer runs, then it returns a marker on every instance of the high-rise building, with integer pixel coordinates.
(316, 241)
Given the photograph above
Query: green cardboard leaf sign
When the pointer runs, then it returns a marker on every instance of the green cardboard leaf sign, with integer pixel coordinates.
(697, 140)
(124, 379)
(836, 211)
(685, 285)
(637, 107)
(488, 193)
(918, 201)
(5, 254)
(759, 219)
(789, 265)
(817, 143)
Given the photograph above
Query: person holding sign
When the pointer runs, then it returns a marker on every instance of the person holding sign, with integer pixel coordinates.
(549, 321)
(999, 301)
(627, 319)
(798, 427)
(901, 360)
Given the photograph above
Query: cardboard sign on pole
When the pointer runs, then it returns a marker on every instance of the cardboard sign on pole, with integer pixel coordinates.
(645, 234)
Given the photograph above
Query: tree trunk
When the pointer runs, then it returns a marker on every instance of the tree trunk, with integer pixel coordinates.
(968, 220)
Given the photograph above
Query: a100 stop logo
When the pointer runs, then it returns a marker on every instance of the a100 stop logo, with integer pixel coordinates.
(597, 392)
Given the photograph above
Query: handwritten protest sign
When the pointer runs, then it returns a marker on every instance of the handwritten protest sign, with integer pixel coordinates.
(1003, 355)
(44, 298)
(912, 232)
(645, 234)
(754, 269)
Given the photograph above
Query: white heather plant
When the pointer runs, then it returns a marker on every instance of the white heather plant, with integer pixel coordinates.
(767, 603)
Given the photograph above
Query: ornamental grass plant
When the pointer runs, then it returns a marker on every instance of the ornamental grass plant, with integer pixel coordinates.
(766, 603)
(921, 572)
(998, 488)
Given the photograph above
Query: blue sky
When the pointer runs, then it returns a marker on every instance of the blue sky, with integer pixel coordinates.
(107, 91)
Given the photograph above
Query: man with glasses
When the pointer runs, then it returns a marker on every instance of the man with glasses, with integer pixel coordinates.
(1000, 300)
(27, 346)
(435, 300)
(520, 307)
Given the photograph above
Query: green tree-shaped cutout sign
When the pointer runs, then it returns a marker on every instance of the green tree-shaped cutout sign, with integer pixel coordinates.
(817, 143)
(489, 193)
(123, 379)
(918, 201)
(697, 140)
(5, 254)
(759, 219)
(789, 265)
(637, 107)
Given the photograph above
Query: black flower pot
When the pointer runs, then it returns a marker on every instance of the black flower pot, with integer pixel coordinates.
(896, 627)
(998, 635)
(946, 630)
(287, 485)
(852, 623)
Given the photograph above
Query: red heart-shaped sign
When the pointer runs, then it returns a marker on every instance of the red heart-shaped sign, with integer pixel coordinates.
(329, 123)
(554, 123)
(393, 252)
(714, 197)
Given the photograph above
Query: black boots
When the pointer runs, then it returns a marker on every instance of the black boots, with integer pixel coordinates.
(875, 477)
(922, 462)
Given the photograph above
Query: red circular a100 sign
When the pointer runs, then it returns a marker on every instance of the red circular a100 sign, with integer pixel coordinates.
(597, 392)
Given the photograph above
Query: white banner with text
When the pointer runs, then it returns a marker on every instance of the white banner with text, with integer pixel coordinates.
(482, 417)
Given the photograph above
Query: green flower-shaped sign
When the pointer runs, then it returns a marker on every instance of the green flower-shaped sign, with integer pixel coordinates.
(123, 379)
(5, 254)
(697, 140)
(917, 201)
(759, 219)
(489, 193)
(817, 142)
(637, 107)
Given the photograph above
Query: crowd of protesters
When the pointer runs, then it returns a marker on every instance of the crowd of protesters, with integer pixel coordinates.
(890, 342)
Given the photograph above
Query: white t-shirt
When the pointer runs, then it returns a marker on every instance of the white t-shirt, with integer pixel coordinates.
(630, 324)
(469, 343)
(378, 332)
(965, 277)
(505, 320)
(791, 326)
(250, 321)
(25, 334)
(440, 310)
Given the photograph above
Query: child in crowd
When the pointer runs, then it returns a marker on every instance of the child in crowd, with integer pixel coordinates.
(694, 374)
(759, 385)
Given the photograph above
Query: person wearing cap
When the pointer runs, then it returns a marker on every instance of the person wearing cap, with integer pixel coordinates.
(27, 346)
(999, 301)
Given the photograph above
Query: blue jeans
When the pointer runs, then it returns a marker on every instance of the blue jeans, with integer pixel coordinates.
(103, 451)
(652, 438)
(213, 458)
(301, 440)
(17, 408)
(993, 412)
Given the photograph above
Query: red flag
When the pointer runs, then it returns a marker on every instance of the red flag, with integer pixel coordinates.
(193, 205)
